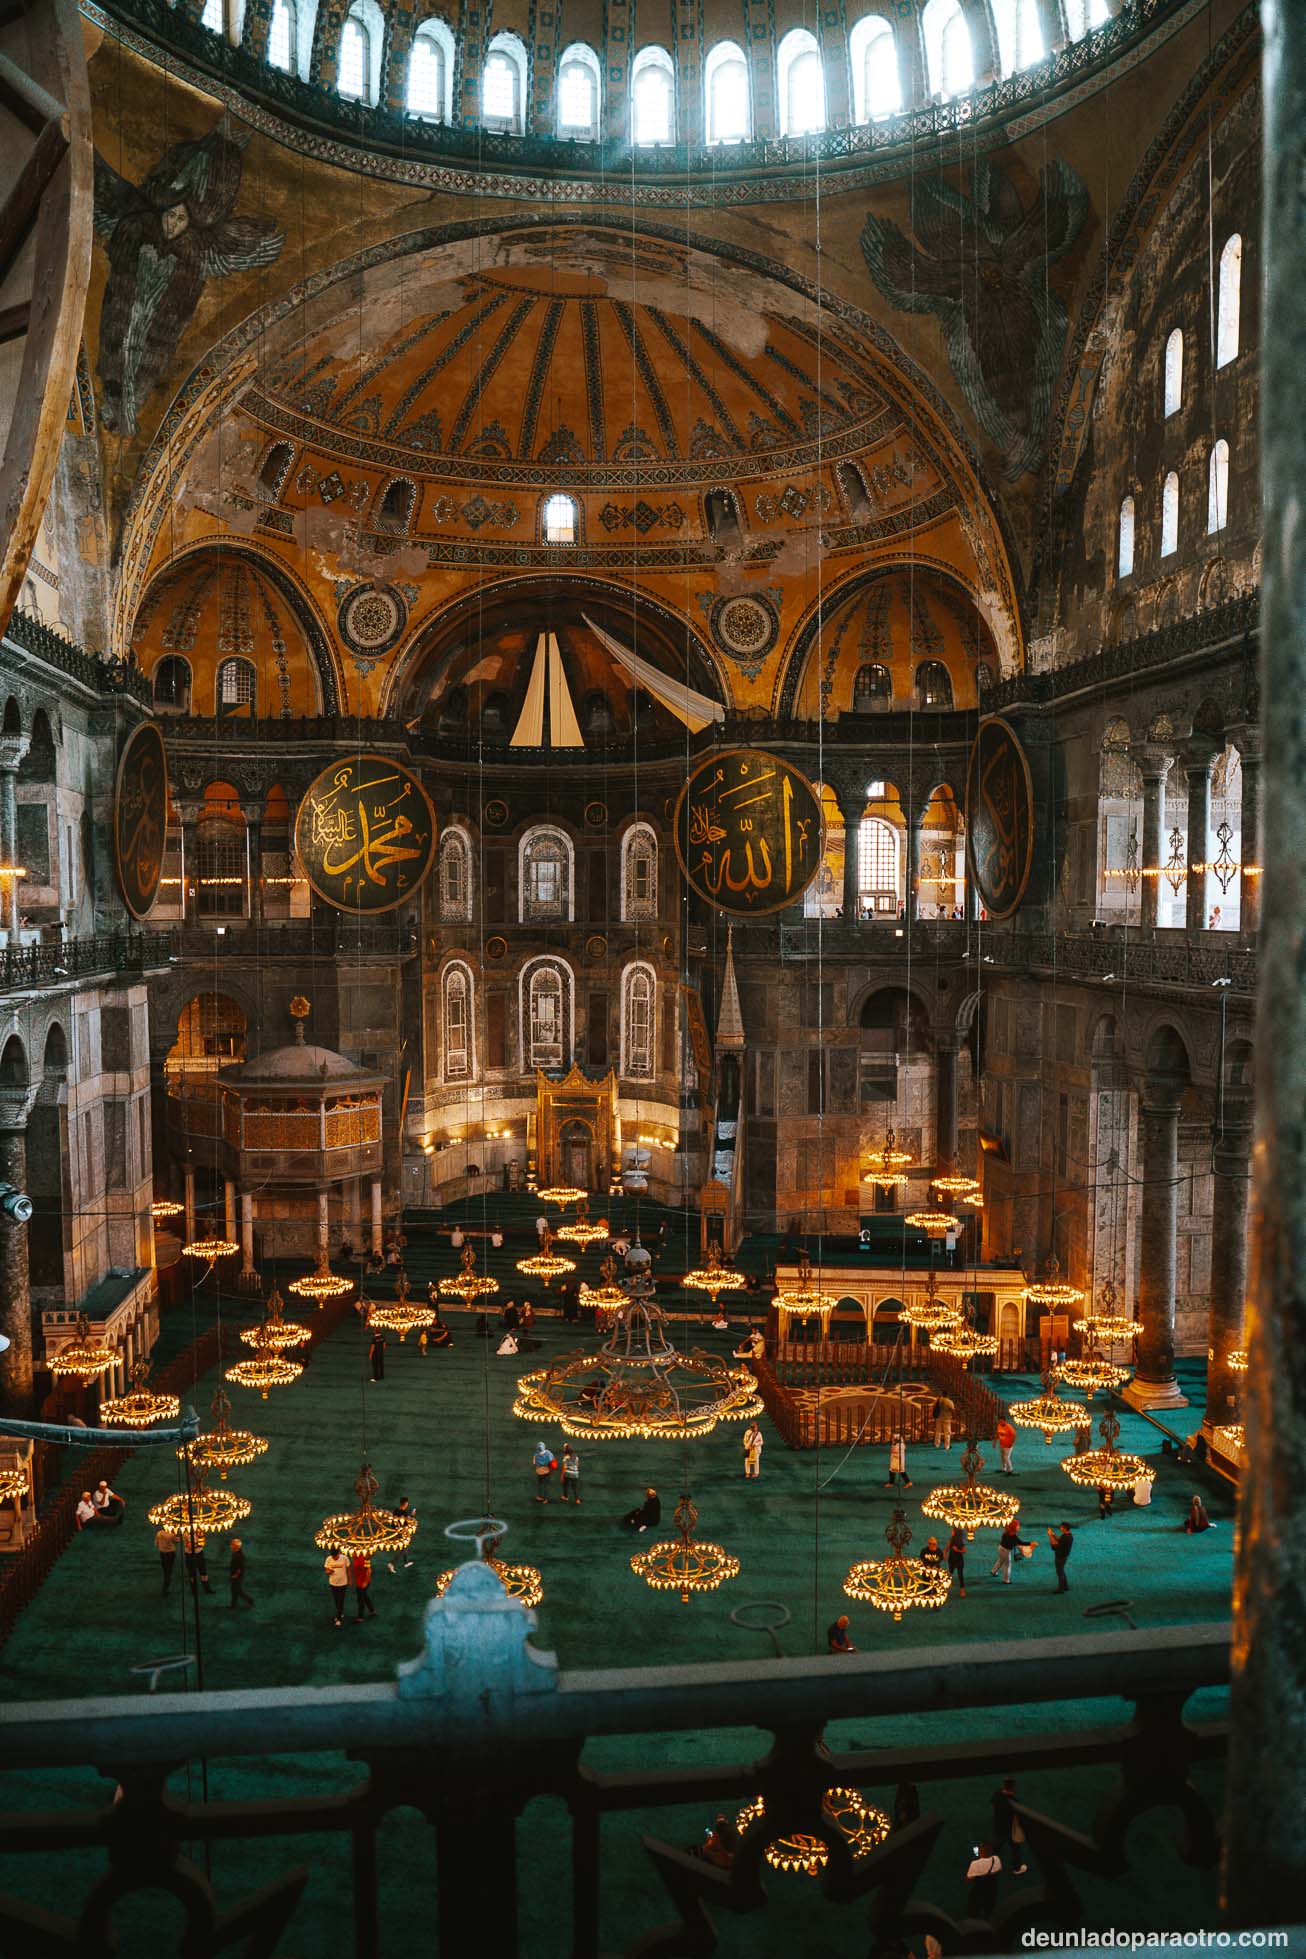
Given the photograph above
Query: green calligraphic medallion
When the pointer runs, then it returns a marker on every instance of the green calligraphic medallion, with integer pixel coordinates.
(999, 817)
(749, 831)
(365, 834)
(140, 817)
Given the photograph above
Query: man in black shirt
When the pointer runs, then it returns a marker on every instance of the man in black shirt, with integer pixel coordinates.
(649, 1512)
(1062, 1545)
(836, 1636)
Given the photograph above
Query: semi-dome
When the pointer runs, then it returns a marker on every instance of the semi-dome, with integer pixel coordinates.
(298, 1063)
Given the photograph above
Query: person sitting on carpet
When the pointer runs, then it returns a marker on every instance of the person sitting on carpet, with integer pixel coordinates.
(110, 1508)
(508, 1345)
(836, 1636)
(1197, 1519)
(440, 1334)
(648, 1513)
(719, 1845)
(754, 1347)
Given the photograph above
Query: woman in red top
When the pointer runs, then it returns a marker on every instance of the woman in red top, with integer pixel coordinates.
(360, 1570)
(1006, 1443)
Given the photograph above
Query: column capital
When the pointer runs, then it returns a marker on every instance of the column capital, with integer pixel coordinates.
(16, 1105)
(13, 750)
(1152, 758)
(1197, 756)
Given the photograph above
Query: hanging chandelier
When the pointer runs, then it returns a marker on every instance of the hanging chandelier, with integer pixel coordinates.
(935, 1224)
(141, 1408)
(320, 1285)
(963, 1343)
(401, 1316)
(366, 1529)
(685, 1563)
(84, 1356)
(898, 1584)
(561, 1194)
(607, 1299)
(209, 1248)
(520, 1581)
(581, 1230)
(888, 1164)
(266, 1370)
(1106, 1325)
(862, 1826)
(637, 1385)
(932, 1314)
(1091, 1372)
(714, 1277)
(275, 1332)
(1106, 1468)
(467, 1283)
(1051, 1290)
(546, 1264)
(970, 1506)
(223, 1447)
(165, 1207)
(200, 1510)
(804, 1300)
(1048, 1411)
(954, 1186)
(973, 1197)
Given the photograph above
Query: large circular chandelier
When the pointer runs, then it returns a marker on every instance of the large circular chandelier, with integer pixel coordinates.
(84, 1356)
(1051, 1290)
(685, 1563)
(265, 1371)
(1106, 1468)
(401, 1316)
(561, 1194)
(320, 1285)
(607, 1299)
(165, 1207)
(209, 1248)
(200, 1510)
(714, 1277)
(964, 1343)
(862, 1826)
(1091, 1372)
(973, 1197)
(275, 1332)
(954, 1185)
(519, 1581)
(142, 1407)
(898, 1584)
(804, 1300)
(367, 1529)
(637, 1385)
(932, 1314)
(935, 1224)
(971, 1506)
(1048, 1411)
(467, 1283)
(223, 1447)
(581, 1230)
(546, 1264)
(888, 1164)
(1106, 1325)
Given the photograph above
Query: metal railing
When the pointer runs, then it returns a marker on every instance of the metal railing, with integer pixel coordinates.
(1131, 955)
(105, 676)
(77, 959)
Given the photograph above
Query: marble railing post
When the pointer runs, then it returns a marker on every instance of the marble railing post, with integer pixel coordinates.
(1154, 1383)
(1265, 1823)
(1231, 1162)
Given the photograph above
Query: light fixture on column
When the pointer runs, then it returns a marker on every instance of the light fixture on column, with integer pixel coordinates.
(1237, 1359)
(715, 1277)
(467, 1283)
(85, 1355)
(898, 1584)
(223, 1447)
(1052, 1291)
(142, 1407)
(1048, 1411)
(933, 1314)
(274, 1331)
(1106, 1468)
(546, 1264)
(972, 1505)
(368, 1529)
(685, 1563)
(862, 1826)
(14, 1483)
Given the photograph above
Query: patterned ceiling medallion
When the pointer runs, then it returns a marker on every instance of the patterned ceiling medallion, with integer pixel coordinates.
(596, 949)
(496, 948)
(746, 626)
(496, 813)
(596, 815)
(370, 619)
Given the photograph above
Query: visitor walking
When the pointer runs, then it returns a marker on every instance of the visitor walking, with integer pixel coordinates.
(1007, 1831)
(376, 1354)
(192, 1556)
(649, 1512)
(405, 1511)
(1009, 1543)
(836, 1636)
(544, 1462)
(236, 1574)
(982, 1881)
(1063, 1543)
(957, 1558)
(570, 1491)
(336, 1567)
(898, 1464)
(932, 1556)
(1006, 1443)
(1106, 1497)
(360, 1570)
(944, 1410)
(752, 1451)
(165, 1543)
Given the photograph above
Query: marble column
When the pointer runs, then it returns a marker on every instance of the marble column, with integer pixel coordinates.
(254, 848)
(851, 805)
(378, 1239)
(323, 1230)
(246, 1234)
(1232, 1168)
(13, 748)
(945, 1109)
(1249, 843)
(1154, 770)
(229, 1209)
(913, 860)
(1265, 1822)
(1154, 1383)
(189, 1201)
(1197, 769)
(190, 861)
(16, 1366)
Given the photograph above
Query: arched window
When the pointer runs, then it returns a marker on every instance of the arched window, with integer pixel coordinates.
(852, 487)
(212, 17)
(546, 1014)
(559, 519)
(455, 876)
(638, 1009)
(578, 93)
(1125, 539)
(877, 866)
(726, 94)
(1082, 16)
(172, 685)
(653, 97)
(1020, 34)
(395, 510)
(1229, 306)
(639, 872)
(802, 84)
(276, 465)
(872, 689)
(546, 877)
(458, 1043)
(355, 60)
(503, 84)
(1174, 372)
(934, 684)
(222, 866)
(949, 62)
(235, 689)
(873, 56)
(281, 36)
(1170, 515)
(1217, 489)
(430, 73)
(722, 513)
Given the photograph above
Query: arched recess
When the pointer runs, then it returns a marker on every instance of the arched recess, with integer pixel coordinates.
(48, 1160)
(895, 1069)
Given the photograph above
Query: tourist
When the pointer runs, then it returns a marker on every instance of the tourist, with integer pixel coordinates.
(1007, 1831)
(496, 1237)
(754, 1347)
(440, 1334)
(570, 1474)
(1009, 1543)
(456, 1238)
(376, 1354)
(836, 1636)
(544, 1462)
(510, 1317)
(422, 1343)
(649, 1513)
(1197, 1519)
(507, 1347)
(236, 1574)
(944, 1410)
(1106, 1497)
(1062, 1541)
(110, 1508)
(360, 1570)
(192, 1556)
(719, 1322)
(541, 1226)
(1006, 1443)
(406, 1513)
(336, 1567)
(982, 1882)
(898, 1464)
(752, 1451)
(957, 1558)
(932, 1556)
(85, 1512)
(165, 1543)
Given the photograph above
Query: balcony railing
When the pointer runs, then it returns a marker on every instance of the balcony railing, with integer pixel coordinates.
(79, 959)
(246, 939)
(105, 676)
(1130, 956)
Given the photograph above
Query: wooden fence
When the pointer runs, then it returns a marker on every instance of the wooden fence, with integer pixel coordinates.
(881, 1416)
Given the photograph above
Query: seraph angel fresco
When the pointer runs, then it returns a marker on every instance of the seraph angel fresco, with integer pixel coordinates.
(166, 237)
(979, 265)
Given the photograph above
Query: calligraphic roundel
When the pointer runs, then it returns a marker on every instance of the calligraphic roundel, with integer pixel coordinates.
(749, 831)
(365, 834)
(140, 817)
(999, 817)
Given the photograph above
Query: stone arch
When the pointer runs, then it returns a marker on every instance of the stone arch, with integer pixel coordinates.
(13, 1064)
(54, 1063)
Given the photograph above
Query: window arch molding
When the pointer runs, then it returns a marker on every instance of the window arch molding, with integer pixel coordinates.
(457, 1023)
(949, 49)
(546, 876)
(171, 684)
(235, 687)
(1170, 514)
(428, 83)
(652, 98)
(1125, 538)
(1173, 391)
(639, 1004)
(546, 1030)
(800, 78)
(358, 66)
(1228, 311)
(727, 95)
(578, 108)
(503, 85)
(639, 872)
(454, 873)
(876, 75)
(1217, 487)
